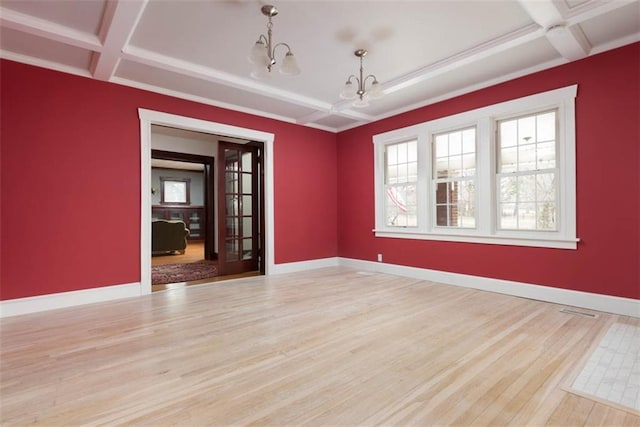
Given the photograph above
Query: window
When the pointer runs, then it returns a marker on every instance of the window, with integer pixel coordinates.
(454, 169)
(527, 172)
(401, 175)
(502, 174)
(175, 191)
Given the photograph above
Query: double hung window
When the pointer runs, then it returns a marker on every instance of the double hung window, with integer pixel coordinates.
(502, 174)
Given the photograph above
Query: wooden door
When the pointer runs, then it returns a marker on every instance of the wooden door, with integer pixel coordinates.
(239, 208)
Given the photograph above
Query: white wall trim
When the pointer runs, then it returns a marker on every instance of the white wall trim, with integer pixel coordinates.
(295, 267)
(16, 307)
(149, 117)
(598, 302)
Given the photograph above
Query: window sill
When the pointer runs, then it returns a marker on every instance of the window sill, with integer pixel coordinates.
(532, 241)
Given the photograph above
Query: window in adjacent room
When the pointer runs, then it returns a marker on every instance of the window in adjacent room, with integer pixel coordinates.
(175, 191)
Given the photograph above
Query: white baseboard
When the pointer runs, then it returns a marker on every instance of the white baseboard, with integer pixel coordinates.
(15, 307)
(294, 267)
(598, 302)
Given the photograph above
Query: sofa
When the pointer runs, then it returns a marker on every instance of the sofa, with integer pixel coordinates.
(168, 236)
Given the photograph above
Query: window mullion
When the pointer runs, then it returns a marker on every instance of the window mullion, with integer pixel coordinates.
(485, 156)
(424, 183)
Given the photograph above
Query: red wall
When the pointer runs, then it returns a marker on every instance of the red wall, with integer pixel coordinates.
(608, 186)
(70, 181)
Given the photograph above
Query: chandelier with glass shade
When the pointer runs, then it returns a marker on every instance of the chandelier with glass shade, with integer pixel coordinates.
(264, 51)
(359, 93)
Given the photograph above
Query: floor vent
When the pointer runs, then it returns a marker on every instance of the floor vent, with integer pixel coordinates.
(578, 313)
(366, 273)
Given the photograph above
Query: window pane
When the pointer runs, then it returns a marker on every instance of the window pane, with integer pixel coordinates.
(402, 153)
(527, 188)
(455, 166)
(466, 204)
(233, 249)
(246, 162)
(247, 248)
(442, 168)
(508, 189)
(401, 205)
(392, 154)
(455, 199)
(509, 159)
(412, 151)
(535, 142)
(546, 155)
(546, 216)
(526, 216)
(509, 133)
(246, 183)
(392, 174)
(455, 143)
(232, 227)
(469, 141)
(508, 218)
(401, 170)
(175, 192)
(469, 164)
(442, 146)
(546, 127)
(526, 130)
(247, 230)
(247, 205)
(527, 157)
(546, 187)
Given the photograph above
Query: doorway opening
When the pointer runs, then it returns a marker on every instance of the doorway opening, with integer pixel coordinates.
(152, 120)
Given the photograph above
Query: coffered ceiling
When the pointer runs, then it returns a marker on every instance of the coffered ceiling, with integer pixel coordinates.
(420, 51)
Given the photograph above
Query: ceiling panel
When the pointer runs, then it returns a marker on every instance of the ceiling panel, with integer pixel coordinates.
(83, 15)
(336, 122)
(484, 72)
(613, 25)
(38, 47)
(220, 93)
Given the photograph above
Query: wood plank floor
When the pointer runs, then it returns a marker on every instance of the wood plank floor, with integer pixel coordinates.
(328, 347)
(193, 253)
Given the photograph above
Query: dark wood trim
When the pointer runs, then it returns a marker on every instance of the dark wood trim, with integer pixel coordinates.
(209, 185)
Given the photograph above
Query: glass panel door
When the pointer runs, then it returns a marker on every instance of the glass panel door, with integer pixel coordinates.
(239, 208)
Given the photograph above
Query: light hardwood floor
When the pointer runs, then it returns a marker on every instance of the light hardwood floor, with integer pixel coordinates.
(328, 347)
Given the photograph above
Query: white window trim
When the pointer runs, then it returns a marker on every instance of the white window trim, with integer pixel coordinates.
(485, 119)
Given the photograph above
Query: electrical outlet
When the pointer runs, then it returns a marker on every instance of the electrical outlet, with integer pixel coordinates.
(379, 257)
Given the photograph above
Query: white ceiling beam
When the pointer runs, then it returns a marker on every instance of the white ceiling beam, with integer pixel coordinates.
(49, 30)
(190, 69)
(119, 20)
(569, 41)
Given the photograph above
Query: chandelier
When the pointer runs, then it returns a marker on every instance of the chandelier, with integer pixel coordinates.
(263, 51)
(359, 93)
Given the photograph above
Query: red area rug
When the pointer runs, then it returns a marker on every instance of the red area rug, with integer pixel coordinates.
(174, 273)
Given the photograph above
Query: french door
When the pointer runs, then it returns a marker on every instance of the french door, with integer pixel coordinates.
(240, 208)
